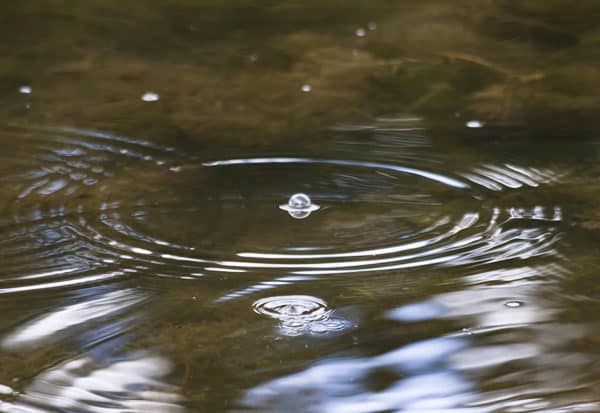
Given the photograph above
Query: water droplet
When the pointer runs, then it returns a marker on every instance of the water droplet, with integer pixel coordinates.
(306, 88)
(360, 32)
(150, 97)
(474, 124)
(513, 304)
(26, 90)
(372, 26)
(299, 206)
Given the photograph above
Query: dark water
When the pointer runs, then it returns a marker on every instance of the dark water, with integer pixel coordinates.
(337, 207)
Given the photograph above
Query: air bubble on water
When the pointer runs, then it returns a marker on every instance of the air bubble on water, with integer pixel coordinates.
(26, 90)
(150, 97)
(299, 201)
(360, 32)
(299, 206)
(372, 26)
(513, 304)
(306, 88)
(175, 168)
(474, 124)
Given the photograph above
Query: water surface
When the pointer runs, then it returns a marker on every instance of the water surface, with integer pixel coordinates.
(327, 207)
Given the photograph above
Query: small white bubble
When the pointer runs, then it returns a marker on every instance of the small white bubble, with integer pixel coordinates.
(513, 304)
(306, 88)
(474, 124)
(360, 32)
(123, 151)
(372, 26)
(299, 206)
(150, 97)
(26, 90)
(175, 168)
(299, 201)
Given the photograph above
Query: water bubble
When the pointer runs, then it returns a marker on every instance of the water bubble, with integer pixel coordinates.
(328, 326)
(299, 201)
(360, 32)
(150, 97)
(513, 304)
(26, 90)
(474, 124)
(299, 206)
(372, 26)
(306, 88)
(175, 168)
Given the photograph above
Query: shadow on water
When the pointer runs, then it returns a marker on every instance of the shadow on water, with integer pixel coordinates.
(330, 208)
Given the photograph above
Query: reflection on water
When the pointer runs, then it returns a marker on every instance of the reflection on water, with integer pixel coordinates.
(413, 378)
(328, 208)
(86, 311)
(83, 385)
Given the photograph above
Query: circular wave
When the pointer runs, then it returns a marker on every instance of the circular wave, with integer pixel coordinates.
(86, 206)
(300, 314)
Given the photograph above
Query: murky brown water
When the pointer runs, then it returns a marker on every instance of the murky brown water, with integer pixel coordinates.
(337, 207)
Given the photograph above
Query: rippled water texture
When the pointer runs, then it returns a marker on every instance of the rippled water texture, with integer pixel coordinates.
(329, 209)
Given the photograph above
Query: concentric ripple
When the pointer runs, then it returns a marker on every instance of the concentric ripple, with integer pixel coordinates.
(298, 314)
(85, 207)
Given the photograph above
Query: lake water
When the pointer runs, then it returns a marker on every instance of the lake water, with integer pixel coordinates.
(320, 207)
